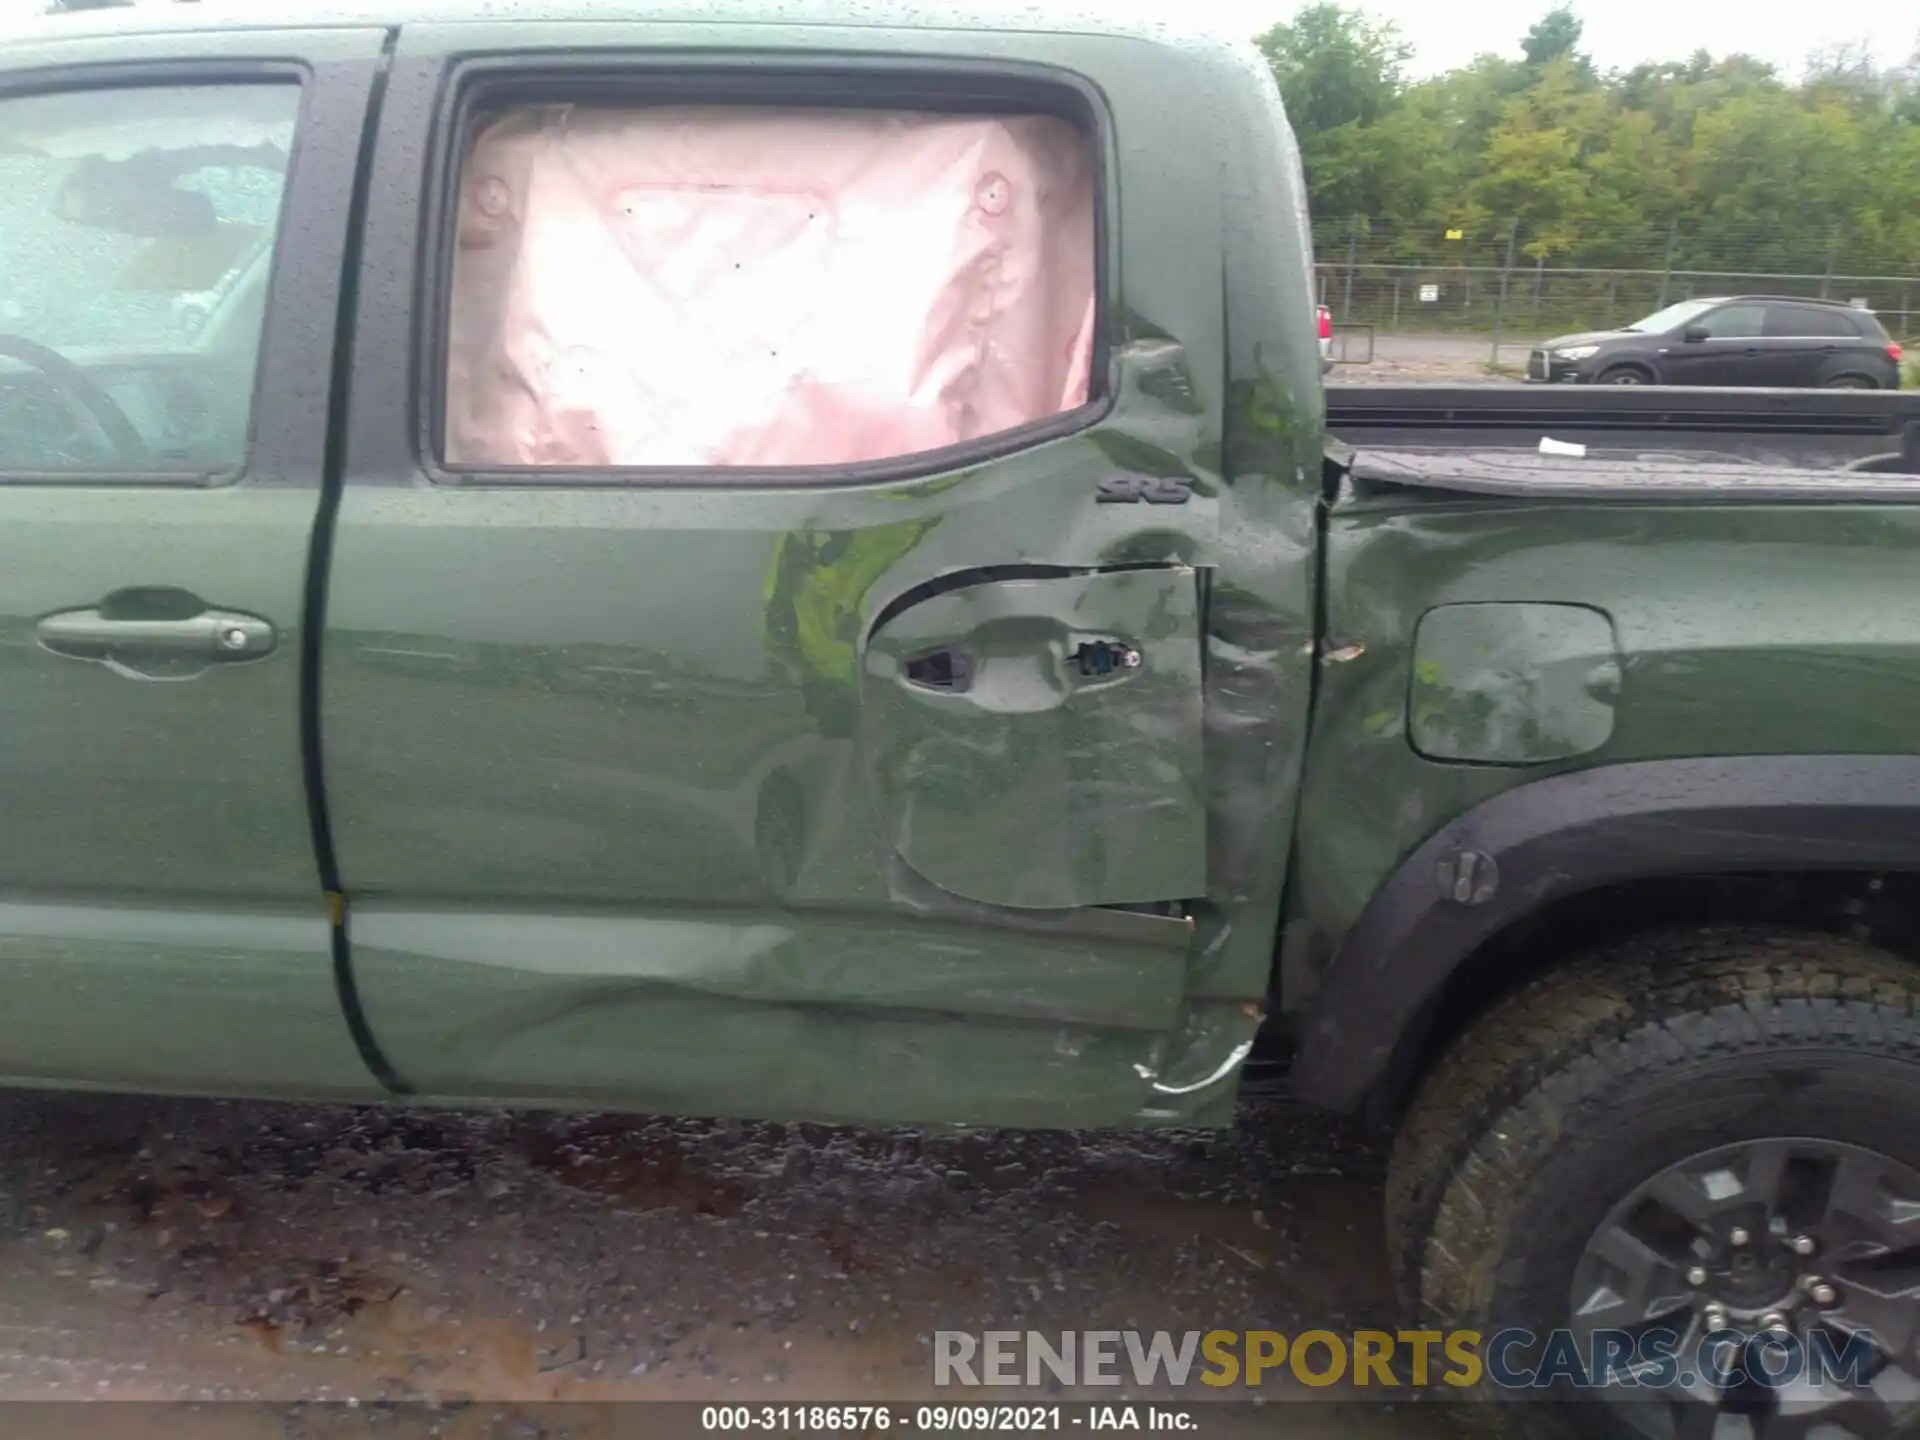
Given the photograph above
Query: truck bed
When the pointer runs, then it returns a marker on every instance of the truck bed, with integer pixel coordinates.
(1653, 427)
(1612, 474)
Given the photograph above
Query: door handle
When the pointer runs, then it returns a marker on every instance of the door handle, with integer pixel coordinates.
(156, 648)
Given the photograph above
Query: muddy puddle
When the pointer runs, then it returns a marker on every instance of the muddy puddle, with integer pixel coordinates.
(463, 1275)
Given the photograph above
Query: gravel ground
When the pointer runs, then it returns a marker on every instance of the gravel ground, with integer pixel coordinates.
(196, 1252)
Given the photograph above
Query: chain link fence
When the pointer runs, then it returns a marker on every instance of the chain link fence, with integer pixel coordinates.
(1381, 280)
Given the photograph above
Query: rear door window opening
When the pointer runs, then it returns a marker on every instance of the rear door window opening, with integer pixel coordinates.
(757, 286)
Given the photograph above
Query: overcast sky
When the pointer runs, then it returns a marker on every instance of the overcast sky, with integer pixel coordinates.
(1623, 32)
(1446, 33)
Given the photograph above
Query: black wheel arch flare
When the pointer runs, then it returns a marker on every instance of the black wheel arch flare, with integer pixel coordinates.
(1551, 839)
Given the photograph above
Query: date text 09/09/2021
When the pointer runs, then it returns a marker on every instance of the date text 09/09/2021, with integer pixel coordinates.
(868, 1419)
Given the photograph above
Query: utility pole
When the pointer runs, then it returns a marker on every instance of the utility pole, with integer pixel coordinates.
(1666, 278)
(1506, 275)
(1353, 252)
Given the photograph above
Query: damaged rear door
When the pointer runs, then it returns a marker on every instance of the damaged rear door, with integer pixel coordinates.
(807, 773)
(1036, 742)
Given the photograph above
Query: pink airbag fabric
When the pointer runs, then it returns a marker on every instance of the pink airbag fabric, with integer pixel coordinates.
(735, 286)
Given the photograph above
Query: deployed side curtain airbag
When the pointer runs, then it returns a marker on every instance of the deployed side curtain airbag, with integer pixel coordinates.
(742, 286)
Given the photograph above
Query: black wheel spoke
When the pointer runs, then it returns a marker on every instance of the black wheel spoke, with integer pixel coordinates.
(1633, 1284)
(1778, 1423)
(1765, 1172)
(1888, 1319)
(1681, 1192)
(1695, 1419)
(1866, 1211)
(1864, 1414)
(1817, 1237)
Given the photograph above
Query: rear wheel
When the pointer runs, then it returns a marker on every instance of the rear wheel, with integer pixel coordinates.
(1697, 1132)
(1624, 375)
(1852, 382)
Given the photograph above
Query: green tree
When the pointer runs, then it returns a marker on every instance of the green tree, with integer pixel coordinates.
(1534, 168)
(1335, 67)
(1637, 193)
(1906, 86)
(1342, 78)
(1774, 180)
(1555, 36)
(1750, 171)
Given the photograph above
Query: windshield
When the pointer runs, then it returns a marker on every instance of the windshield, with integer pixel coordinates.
(1673, 317)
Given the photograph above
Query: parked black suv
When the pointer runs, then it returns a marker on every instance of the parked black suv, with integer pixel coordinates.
(1732, 340)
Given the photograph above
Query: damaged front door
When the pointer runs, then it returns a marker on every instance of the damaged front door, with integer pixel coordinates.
(756, 702)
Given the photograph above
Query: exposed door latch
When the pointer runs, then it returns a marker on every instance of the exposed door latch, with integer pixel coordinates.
(1097, 658)
(949, 670)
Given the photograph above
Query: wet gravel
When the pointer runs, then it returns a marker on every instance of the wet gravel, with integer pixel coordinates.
(224, 1252)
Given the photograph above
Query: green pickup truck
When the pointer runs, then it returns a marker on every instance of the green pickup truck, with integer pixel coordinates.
(787, 562)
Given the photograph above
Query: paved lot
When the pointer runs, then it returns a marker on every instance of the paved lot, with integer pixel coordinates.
(211, 1252)
(1427, 360)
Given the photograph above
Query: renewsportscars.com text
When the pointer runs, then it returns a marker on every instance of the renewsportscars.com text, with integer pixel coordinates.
(1510, 1359)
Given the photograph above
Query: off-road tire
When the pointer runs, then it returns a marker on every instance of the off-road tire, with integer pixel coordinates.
(1593, 1078)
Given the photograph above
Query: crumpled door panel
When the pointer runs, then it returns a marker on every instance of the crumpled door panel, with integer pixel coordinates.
(764, 286)
(1038, 741)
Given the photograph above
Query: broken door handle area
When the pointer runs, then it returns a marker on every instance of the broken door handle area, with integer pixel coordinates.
(1098, 659)
(153, 647)
(951, 671)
